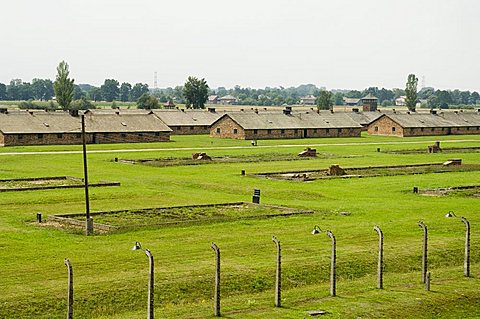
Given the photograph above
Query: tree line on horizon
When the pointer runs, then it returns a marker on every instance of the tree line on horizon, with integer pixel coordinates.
(111, 90)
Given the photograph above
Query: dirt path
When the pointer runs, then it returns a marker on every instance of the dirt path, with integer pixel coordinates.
(230, 147)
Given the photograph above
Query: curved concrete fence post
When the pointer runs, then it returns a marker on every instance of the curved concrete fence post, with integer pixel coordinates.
(333, 271)
(217, 280)
(70, 289)
(425, 250)
(466, 262)
(278, 274)
(380, 258)
(151, 280)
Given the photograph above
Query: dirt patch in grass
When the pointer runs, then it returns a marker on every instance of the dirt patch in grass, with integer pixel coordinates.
(42, 183)
(267, 157)
(371, 171)
(178, 215)
(463, 191)
(443, 150)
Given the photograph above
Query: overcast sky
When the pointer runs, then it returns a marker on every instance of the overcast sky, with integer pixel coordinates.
(251, 43)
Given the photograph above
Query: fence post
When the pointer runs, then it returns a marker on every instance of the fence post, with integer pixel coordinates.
(466, 262)
(70, 289)
(380, 258)
(217, 280)
(425, 250)
(333, 275)
(278, 276)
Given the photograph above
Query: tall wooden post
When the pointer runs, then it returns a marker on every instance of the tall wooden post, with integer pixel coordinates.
(466, 262)
(278, 275)
(89, 221)
(217, 280)
(380, 258)
(425, 250)
(70, 289)
(333, 275)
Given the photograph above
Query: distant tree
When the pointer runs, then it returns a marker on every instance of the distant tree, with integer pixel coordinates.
(147, 101)
(25, 91)
(384, 94)
(475, 97)
(42, 89)
(425, 93)
(465, 97)
(338, 97)
(63, 86)
(3, 92)
(387, 103)
(324, 101)
(163, 98)
(307, 89)
(13, 90)
(354, 94)
(195, 92)
(86, 87)
(222, 91)
(125, 89)
(398, 92)
(178, 94)
(411, 92)
(444, 98)
(78, 92)
(110, 90)
(95, 94)
(138, 90)
(38, 89)
(49, 92)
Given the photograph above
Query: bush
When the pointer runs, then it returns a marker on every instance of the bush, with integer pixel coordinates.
(147, 101)
(82, 104)
(29, 105)
(387, 103)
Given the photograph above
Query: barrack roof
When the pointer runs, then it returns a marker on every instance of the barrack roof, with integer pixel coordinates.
(295, 120)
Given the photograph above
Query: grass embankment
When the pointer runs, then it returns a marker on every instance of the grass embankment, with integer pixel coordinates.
(110, 279)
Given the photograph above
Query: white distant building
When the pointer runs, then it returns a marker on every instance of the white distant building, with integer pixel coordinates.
(401, 101)
(227, 99)
(308, 100)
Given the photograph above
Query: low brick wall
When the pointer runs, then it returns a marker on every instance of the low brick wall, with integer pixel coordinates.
(78, 223)
(33, 188)
(69, 219)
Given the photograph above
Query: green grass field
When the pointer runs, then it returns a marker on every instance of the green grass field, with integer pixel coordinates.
(110, 279)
